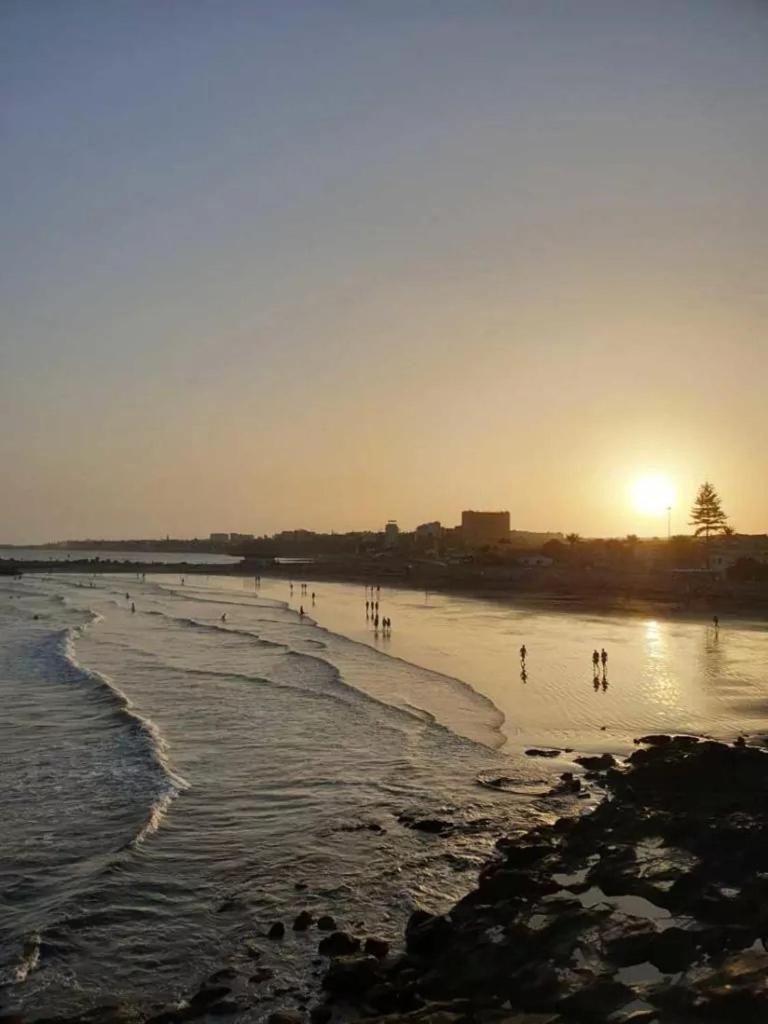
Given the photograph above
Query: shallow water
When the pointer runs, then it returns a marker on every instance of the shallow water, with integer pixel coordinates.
(169, 776)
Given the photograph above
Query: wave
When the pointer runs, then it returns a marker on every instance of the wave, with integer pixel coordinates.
(211, 627)
(59, 651)
(29, 958)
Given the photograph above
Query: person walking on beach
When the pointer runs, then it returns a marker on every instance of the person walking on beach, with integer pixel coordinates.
(595, 660)
(604, 658)
(133, 607)
(224, 617)
(367, 604)
(301, 610)
(715, 621)
(523, 653)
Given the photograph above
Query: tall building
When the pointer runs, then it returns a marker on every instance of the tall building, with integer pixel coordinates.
(480, 528)
(391, 533)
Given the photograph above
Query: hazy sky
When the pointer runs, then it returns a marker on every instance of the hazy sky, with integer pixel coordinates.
(319, 264)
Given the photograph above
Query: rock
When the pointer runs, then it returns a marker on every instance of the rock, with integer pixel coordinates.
(352, 975)
(654, 740)
(674, 950)
(276, 931)
(522, 855)
(426, 934)
(285, 1017)
(320, 1014)
(253, 951)
(537, 752)
(597, 1000)
(299, 886)
(376, 947)
(303, 921)
(598, 763)
(206, 996)
(326, 923)
(262, 974)
(628, 941)
(510, 884)
(338, 944)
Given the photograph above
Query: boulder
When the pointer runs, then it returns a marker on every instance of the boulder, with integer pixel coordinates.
(326, 923)
(538, 752)
(338, 944)
(352, 975)
(598, 763)
(303, 921)
(376, 947)
(427, 934)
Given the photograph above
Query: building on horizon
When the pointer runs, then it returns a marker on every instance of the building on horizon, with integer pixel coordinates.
(219, 538)
(429, 531)
(481, 528)
(391, 533)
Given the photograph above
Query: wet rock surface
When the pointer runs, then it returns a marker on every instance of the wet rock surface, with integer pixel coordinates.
(651, 908)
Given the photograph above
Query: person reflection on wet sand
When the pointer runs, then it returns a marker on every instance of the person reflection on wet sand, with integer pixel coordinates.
(605, 683)
(524, 675)
(596, 682)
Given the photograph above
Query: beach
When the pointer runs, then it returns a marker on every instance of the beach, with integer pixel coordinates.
(180, 782)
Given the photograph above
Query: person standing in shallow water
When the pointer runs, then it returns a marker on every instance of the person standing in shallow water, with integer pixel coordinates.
(523, 653)
(604, 658)
(595, 659)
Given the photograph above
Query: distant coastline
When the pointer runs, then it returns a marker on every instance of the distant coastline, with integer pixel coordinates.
(602, 592)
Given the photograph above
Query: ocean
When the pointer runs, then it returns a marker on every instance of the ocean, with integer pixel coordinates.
(176, 778)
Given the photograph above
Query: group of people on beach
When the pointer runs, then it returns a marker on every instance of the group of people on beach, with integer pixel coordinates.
(598, 658)
(372, 595)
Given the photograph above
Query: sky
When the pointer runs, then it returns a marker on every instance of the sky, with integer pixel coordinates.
(320, 264)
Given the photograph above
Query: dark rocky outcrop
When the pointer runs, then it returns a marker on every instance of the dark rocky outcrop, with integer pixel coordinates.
(665, 876)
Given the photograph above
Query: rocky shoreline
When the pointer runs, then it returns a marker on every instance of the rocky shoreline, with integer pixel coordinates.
(653, 907)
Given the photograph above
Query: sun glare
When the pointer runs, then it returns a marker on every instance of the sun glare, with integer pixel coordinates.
(652, 495)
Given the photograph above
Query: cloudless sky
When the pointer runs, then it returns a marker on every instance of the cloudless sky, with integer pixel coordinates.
(316, 264)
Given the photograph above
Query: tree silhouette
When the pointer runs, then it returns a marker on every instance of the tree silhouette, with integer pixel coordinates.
(707, 513)
(572, 538)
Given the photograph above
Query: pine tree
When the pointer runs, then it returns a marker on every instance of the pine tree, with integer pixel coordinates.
(707, 513)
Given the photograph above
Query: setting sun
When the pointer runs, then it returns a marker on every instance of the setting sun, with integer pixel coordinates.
(652, 495)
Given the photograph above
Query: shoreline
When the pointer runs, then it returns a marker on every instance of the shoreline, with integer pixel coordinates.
(620, 600)
(651, 906)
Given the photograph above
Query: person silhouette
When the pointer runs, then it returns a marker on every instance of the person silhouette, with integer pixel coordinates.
(715, 621)
(523, 653)
(224, 617)
(301, 610)
(595, 659)
(604, 658)
(133, 607)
